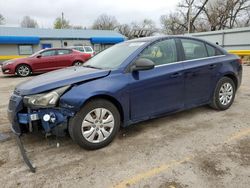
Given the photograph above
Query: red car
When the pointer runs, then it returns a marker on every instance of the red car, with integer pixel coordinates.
(44, 61)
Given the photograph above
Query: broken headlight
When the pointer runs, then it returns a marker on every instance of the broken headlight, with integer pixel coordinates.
(45, 100)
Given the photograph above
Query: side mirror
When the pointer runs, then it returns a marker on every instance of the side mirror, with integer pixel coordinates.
(142, 64)
(39, 56)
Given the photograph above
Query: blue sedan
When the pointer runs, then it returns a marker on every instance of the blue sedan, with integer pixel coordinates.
(128, 83)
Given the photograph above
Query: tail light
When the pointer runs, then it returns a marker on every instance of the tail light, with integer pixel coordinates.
(240, 61)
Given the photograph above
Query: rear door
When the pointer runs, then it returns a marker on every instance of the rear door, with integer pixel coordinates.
(159, 90)
(199, 70)
(63, 58)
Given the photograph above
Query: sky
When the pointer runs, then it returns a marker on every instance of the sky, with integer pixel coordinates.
(83, 12)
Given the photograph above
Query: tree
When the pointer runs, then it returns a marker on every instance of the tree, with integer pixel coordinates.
(77, 27)
(124, 29)
(61, 23)
(223, 14)
(191, 10)
(244, 20)
(29, 22)
(2, 19)
(173, 24)
(188, 17)
(146, 25)
(204, 15)
(105, 22)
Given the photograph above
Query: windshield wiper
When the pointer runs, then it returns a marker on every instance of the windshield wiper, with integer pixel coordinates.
(90, 66)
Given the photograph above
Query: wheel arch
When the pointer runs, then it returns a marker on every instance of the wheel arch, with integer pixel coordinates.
(233, 77)
(111, 99)
(23, 64)
(77, 60)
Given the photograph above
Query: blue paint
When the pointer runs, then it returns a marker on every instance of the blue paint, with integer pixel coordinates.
(46, 45)
(23, 118)
(60, 116)
(141, 95)
(106, 40)
(19, 40)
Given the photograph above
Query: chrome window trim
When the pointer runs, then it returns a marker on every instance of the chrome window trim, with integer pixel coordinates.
(203, 58)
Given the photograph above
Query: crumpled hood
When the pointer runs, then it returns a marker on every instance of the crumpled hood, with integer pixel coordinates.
(59, 78)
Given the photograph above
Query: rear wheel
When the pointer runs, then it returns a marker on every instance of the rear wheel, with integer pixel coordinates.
(23, 70)
(95, 125)
(224, 94)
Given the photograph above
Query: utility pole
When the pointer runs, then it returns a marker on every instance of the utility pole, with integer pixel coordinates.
(62, 21)
(189, 15)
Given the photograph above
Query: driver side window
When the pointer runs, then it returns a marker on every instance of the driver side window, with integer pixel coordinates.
(163, 52)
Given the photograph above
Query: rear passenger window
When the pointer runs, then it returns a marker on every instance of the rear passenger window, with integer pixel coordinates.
(193, 49)
(212, 51)
(62, 52)
(161, 53)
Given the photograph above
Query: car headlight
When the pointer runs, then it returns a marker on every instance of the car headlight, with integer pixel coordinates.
(7, 63)
(45, 100)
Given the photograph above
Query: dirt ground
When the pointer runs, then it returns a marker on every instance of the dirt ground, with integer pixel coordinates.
(196, 148)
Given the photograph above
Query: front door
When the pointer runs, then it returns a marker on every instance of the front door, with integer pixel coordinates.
(45, 62)
(159, 90)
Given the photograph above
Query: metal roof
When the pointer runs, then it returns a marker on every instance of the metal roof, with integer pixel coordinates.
(58, 33)
(235, 30)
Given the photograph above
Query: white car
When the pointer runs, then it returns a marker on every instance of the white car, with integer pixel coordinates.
(84, 49)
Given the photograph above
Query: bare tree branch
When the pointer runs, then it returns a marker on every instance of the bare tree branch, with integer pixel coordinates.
(28, 22)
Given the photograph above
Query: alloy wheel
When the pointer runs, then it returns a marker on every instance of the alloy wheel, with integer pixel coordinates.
(98, 125)
(23, 70)
(226, 93)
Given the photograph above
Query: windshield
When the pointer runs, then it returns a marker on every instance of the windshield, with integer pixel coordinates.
(35, 54)
(114, 56)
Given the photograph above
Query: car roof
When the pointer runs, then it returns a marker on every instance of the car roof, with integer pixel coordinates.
(72, 47)
(155, 38)
(56, 48)
(75, 46)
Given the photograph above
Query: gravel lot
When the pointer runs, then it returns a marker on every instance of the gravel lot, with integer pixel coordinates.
(196, 148)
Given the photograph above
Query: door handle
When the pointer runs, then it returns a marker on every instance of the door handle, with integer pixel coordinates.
(212, 66)
(177, 74)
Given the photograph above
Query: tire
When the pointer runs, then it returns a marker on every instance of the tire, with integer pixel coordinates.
(77, 63)
(23, 70)
(95, 125)
(224, 94)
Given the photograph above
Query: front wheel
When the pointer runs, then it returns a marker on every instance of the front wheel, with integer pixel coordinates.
(95, 125)
(224, 94)
(23, 70)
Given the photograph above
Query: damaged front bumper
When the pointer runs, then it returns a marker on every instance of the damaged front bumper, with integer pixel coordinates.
(24, 120)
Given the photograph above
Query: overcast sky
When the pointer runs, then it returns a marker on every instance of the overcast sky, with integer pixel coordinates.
(83, 12)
